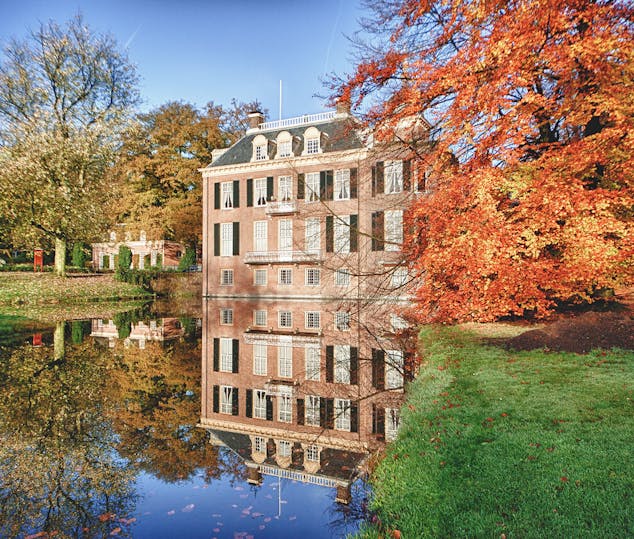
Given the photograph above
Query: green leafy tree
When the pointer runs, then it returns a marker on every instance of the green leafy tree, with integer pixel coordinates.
(187, 260)
(65, 96)
(79, 255)
(124, 260)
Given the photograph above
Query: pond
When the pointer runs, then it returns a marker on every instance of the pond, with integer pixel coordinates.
(251, 419)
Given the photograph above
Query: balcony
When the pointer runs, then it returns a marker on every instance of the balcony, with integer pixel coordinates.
(281, 257)
(284, 207)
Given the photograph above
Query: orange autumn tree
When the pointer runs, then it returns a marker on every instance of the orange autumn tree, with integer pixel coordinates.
(529, 199)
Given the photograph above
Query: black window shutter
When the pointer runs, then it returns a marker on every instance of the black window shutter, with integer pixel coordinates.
(330, 188)
(354, 233)
(216, 354)
(354, 365)
(235, 348)
(236, 238)
(234, 404)
(269, 408)
(330, 234)
(407, 175)
(300, 186)
(216, 239)
(378, 369)
(378, 185)
(249, 411)
(330, 363)
(354, 182)
(300, 411)
(377, 231)
(378, 420)
(269, 188)
(322, 413)
(236, 194)
(216, 196)
(330, 413)
(249, 192)
(322, 185)
(354, 417)
(216, 399)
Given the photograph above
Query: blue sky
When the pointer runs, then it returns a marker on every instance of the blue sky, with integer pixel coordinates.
(212, 50)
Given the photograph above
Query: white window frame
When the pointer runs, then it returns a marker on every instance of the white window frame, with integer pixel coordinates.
(285, 405)
(285, 235)
(259, 404)
(260, 192)
(226, 354)
(342, 234)
(312, 145)
(226, 189)
(394, 364)
(312, 236)
(312, 453)
(226, 317)
(393, 177)
(312, 408)
(285, 276)
(399, 277)
(285, 319)
(284, 447)
(393, 230)
(260, 317)
(285, 188)
(226, 239)
(392, 423)
(312, 277)
(285, 148)
(259, 444)
(226, 277)
(342, 184)
(260, 236)
(260, 359)
(260, 277)
(312, 356)
(285, 361)
(226, 400)
(342, 321)
(342, 277)
(312, 187)
(312, 319)
(342, 363)
(343, 415)
(261, 153)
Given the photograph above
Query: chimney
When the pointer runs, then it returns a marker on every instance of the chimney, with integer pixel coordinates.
(342, 108)
(255, 119)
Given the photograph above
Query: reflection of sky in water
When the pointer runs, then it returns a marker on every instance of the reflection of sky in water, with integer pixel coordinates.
(192, 509)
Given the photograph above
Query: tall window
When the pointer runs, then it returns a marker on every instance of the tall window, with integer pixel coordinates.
(260, 236)
(284, 405)
(342, 277)
(393, 230)
(342, 184)
(260, 359)
(259, 404)
(399, 277)
(285, 319)
(312, 319)
(312, 356)
(226, 277)
(226, 239)
(392, 423)
(285, 237)
(342, 414)
(285, 188)
(260, 191)
(393, 369)
(312, 186)
(311, 410)
(342, 363)
(313, 276)
(285, 276)
(226, 354)
(259, 277)
(393, 177)
(227, 195)
(313, 234)
(226, 316)
(285, 361)
(342, 234)
(226, 399)
(259, 317)
(342, 321)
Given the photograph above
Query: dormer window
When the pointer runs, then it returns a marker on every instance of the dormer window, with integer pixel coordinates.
(284, 145)
(312, 141)
(260, 148)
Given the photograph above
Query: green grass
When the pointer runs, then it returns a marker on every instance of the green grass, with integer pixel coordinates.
(525, 444)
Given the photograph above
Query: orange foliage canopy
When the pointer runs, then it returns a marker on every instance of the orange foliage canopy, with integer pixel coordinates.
(535, 102)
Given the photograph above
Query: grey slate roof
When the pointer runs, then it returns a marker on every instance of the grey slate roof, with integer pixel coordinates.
(341, 132)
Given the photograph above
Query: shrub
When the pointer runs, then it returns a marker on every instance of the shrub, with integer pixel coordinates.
(79, 255)
(187, 260)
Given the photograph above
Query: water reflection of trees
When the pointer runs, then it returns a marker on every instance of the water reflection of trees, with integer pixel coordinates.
(79, 421)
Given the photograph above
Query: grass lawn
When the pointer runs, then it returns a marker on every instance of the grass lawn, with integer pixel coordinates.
(496, 443)
(45, 288)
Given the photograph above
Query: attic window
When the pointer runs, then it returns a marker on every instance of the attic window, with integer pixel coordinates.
(260, 152)
(284, 145)
(312, 145)
(260, 148)
(312, 141)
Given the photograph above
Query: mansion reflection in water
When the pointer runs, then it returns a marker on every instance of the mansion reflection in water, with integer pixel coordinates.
(139, 333)
(301, 389)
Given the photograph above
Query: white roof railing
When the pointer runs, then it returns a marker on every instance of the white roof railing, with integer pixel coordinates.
(298, 120)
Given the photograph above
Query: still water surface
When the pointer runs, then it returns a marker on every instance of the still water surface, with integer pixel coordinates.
(109, 428)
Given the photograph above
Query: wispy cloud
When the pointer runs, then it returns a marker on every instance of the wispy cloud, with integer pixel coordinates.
(332, 37)
(131, 38)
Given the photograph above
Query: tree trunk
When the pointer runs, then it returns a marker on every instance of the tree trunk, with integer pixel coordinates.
(60, 256)
(58, 340)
